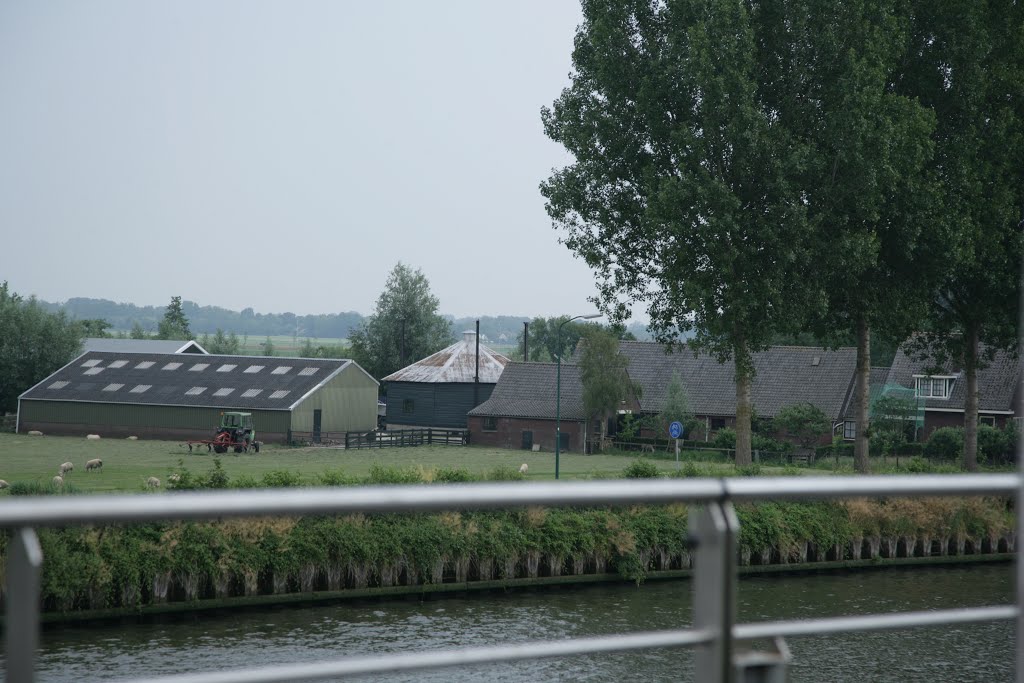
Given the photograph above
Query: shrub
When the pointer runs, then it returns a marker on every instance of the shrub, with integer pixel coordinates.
(279, 479)
(245, 481)
(336, 478)
(751, 470)
(992, 444)
(449, 475)
(380, 474)
(946, 443)
(505, 473)
(725, 438)
(641, 469)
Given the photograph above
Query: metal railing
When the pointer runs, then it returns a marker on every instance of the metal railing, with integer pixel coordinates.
(722, 651)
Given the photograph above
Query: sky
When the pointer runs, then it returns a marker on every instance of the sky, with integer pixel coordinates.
(284, 156)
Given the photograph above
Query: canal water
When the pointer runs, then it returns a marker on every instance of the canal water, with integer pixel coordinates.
(246, 638)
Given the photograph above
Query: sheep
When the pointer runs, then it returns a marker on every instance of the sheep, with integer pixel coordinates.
(94, 464)
(523, 468)
(3, 484)
(92, 437)
(65, 468)
(35, 432)
(174, 478)
(58, 481)
(153, 483)
(133, 438)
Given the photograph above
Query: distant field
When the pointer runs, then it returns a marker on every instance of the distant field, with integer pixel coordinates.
(285, 345)
(127, 464)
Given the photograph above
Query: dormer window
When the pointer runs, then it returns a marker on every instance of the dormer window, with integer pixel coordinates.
(933, 386)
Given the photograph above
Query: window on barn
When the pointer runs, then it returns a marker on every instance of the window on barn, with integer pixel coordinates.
(251, 393)
(171, 366)
(91, 362)
(989, 420)
(195, 391)
(253, 369)
(223, 392)
(281, 370)
(408, 406)
(308, 371)
(280, 393)
(58, 385)
(113, 387)
(140, 388)
(717, 423)
(199, 367)
(227, 367)
(850, 430)
(118, 364)
(490, 424)
(93, 371)
(145, 365)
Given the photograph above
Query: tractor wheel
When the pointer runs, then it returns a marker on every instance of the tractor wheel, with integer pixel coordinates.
(256, 445)
(220, 449)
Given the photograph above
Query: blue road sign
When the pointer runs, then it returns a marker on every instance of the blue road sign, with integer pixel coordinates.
(675, 430)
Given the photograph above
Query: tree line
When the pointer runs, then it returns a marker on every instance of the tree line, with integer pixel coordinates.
(750, 170)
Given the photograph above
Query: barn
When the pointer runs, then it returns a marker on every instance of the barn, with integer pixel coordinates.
(178, 396)
(439, 390)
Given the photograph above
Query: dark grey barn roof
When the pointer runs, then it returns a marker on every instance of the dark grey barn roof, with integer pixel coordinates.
(528, 390)
(997, 383)
(232, 382)
(784, 375)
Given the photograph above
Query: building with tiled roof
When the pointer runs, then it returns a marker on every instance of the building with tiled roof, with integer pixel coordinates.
(141, 345)
(171, 396)
(523, 401)
(439, 390)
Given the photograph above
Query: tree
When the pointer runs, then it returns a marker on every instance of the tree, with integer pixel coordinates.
(677, 408)
(174, 324)
(404, 328)
(683, 194)
(804, 422)
(546, 344)
(94, 327)
(220, 343)
(268, 347)
(137, 332)
(606, 382)
(33, 344)
(968, 66)
(891, 416)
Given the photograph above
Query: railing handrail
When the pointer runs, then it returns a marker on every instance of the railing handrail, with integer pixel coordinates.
(60, 510)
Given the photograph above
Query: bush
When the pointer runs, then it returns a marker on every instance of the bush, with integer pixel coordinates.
(993, 444)
(752, 470)
(380, 474)
(279, 479)
(910, 449)
(337, 478)
(505, 473)
(725, 438)
(946, 443)
(641, 469)
(245, 481)
(450, 475)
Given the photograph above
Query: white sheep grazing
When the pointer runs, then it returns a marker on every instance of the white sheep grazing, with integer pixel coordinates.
(65, 468)
(94, 464)
(153, 483)
(58, 481)
(523, 468)
(174, 478)
(92, 437)
(35, 432)
(3, 484)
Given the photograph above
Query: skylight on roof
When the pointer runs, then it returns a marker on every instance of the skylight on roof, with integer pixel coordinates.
(93, 371)
(58, 385)
(140, 388)
(308, 371)
(223, 392)
(227, 367)
(199, 367)
(195, 391)
(145, 365)
(171, 366)
(91, 362)
(281, 370)
(280, 393)
(113, 387)
(252, 369)
(118, 364)
(251, 393)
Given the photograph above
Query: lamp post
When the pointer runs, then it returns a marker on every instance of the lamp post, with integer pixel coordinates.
(558, 384)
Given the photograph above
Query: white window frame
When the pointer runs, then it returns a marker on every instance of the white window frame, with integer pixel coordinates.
(849, 430)
(939, 387)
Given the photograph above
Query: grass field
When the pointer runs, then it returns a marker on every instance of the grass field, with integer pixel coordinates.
(284, 345)
(127, 464)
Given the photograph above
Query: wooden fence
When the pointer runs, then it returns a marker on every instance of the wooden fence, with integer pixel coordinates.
(407, 437)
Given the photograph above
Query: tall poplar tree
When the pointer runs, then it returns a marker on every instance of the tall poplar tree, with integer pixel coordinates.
(968, 66)
(699, 159)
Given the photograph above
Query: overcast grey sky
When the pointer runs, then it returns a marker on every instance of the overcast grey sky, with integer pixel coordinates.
(284, 155)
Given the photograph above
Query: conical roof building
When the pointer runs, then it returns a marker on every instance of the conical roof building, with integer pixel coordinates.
(439, 390)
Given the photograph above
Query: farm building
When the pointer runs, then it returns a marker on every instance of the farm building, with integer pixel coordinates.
(521, 411)
(523, 403)
(173, 396)
(439, 390)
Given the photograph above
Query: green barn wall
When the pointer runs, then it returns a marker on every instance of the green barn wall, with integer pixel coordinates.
(348, 403)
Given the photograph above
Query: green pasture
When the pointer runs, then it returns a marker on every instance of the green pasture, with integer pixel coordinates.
(127, 464)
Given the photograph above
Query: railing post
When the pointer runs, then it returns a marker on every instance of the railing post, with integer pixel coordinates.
(716, 530)
(21, 627)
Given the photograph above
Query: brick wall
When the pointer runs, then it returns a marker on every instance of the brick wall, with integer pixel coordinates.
(509, 433)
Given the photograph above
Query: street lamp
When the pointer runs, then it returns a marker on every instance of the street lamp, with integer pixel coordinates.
(558, 384)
